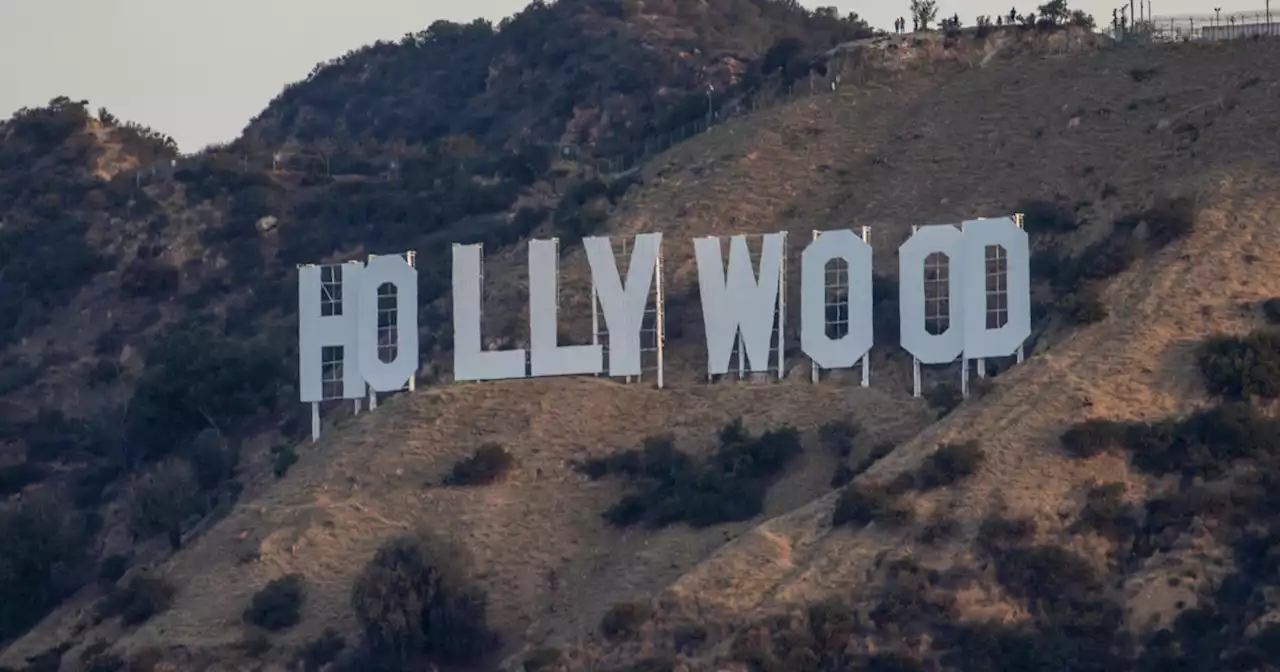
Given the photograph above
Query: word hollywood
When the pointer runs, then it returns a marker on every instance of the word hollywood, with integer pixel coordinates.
(744, 306)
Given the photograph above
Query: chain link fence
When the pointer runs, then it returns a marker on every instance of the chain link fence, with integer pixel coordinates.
(1210, 26)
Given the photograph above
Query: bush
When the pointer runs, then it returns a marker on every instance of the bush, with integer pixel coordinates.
(1047, 217)
(1046, 573)
(950, 464)
(143, 597)
(545, 659)
(860, 505)
(489, 464)
(1271, 310)
(197, 379)
(112, 568)
(624, 619)
(322, 650)
(673, 487)
(945, 397)
(1242, 367)
(1170, 219)
(414, 598)
(999, 531)
(285, 457)
(40, 538)
(1106, 513)
(277, 605)
(1092, 437)
(1082, 307)
(1205, 443)
(162, 499)
(838, 436)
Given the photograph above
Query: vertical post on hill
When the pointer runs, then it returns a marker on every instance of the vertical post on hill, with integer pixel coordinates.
(412, 257)
(373, 395)
(1132, 16)
(915, 361)
(814, 373)
(595, 324)
(315, 421)
(866, 358)
(1017, 219)
(782, 306)
(710, 92)
(659, 306)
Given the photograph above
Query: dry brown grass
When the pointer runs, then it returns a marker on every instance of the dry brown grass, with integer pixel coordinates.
(919, 150)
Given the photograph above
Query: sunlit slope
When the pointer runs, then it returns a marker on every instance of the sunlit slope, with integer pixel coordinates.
(1203, 126)
(929, 149)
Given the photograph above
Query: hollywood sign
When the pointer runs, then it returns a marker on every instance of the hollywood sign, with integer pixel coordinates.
(370, 309)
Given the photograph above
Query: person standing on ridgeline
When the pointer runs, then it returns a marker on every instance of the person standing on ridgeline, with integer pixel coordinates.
(915, 24)
(1013, 15)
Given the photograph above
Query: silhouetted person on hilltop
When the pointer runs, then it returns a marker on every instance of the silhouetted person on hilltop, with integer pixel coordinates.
(915, 24)
(1013, 15)
(999, 21)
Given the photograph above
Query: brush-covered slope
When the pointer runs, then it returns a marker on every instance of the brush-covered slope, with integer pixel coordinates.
(148, 309)
(1145, 540)
(1103, 137)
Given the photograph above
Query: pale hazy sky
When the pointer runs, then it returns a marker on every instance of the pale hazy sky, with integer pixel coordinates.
(198, 70)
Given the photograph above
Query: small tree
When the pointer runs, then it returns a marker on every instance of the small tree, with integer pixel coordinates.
(924, 12)
(163, 498)
(1055, 12)
(415, 598)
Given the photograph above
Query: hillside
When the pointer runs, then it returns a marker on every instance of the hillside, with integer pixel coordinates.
(1091, 144)
(129, 276)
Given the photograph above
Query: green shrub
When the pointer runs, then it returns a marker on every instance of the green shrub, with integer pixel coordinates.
(950, 464)
(838, 436)
(1170, 219)
(1271, 310)
(489, 464)
(625, 619)
(112, 568)
(1047, 217)
(197, 379)
(322, 650)
(278, 605)
(672, 486)
(1106, 513)
(860, 505)
(945, 397)
(139, 600)
(998, 531)
(414, 598)
(40, 538)
(544, 659)
(285, 457)
(1082, 307)
(162, 499)
(1093, 437)
(1240, 367)
(1205, 443)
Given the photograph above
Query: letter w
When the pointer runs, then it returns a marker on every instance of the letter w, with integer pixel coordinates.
(738, 303)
